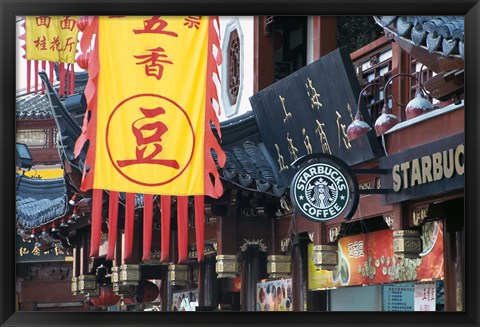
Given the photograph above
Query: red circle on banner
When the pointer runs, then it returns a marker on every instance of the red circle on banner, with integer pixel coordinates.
(158, 128)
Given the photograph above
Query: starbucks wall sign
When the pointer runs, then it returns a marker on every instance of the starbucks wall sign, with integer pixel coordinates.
(323, 188)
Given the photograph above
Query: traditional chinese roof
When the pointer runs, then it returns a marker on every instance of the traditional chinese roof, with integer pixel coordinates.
(441, 34)
(36, 106)
(39, 201)
(248, 163)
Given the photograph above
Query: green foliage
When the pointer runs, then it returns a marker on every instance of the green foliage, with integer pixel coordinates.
(355, 32)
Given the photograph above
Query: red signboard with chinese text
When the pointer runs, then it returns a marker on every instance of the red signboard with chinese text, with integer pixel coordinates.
(369, 259)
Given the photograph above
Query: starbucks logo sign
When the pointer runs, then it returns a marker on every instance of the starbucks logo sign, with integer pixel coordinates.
(320, 191)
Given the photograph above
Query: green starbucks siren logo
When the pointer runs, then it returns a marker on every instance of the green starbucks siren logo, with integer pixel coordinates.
(320, 192)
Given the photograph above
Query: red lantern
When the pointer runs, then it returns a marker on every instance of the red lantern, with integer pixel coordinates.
(129, 300)
(83, 59)
(106, 297)
(82, 23)
(150, 291)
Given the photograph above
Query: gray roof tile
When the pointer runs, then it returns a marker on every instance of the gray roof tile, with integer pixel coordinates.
(442, 34)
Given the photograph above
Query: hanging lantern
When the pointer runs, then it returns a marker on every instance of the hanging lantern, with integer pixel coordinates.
(87, 285)
(44, 231)
(82, 23)
(385, 121)
(278, 266)
(74, 286)
(418, 106)
(178, 274)
(83, 59)
(150, 292)
(54, 227)
(357, 128)
(325, 257)
(226, 266)
(407, 243)
(106, 297)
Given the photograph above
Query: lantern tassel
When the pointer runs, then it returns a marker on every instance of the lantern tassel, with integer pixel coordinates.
(35, 70)
(147, 225)
(165, 204)
(112, 224)
(50, 63)
(182, 228)
(29, 75)
(44, 68)
(72, 80)
(129, 226)
(61, 71)
(96, 234)
(199, 226)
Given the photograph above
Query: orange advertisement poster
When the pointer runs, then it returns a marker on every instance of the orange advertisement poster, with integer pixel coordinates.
(369, 259)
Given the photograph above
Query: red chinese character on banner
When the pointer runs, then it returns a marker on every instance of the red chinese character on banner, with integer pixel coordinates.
(152, 62)
(192, 21)
(43, 21)
(55, 44)
(70, 44)
(155, 25)
(41, 43)
(67, 23)
(153, 129)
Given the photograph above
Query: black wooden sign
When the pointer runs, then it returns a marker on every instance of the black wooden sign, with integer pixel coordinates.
(427, 170)
(27, 251)
(309, 111)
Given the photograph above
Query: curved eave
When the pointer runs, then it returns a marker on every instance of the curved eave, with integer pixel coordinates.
(39, 201)
(440, 36)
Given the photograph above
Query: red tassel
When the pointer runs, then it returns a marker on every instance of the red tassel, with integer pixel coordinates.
(199, 226)
(147, 225)
(182, 226)
(96, 234)
(44, 67)
(29, 75)
(61, 71)
(112, 224)
(51, 71)
(35, 67)
(67, 79)
(165, 204)
(72, 81)
(129, 226)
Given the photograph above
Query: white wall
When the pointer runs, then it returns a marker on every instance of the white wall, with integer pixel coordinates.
(245, 30)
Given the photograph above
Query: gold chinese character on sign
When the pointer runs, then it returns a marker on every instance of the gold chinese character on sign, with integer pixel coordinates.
(291, 148)
(342, 133)
(23, 251)
(58, 251)
(36, 251)
(280, 160)
(419, 215)
(323, 137)
(287, 114)
(314, 96)
(306, 141)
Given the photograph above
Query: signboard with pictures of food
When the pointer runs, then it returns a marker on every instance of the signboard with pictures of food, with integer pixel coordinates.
(274, 295)
(368, 259)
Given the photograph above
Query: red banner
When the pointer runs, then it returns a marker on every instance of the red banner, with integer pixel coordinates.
(369, 259)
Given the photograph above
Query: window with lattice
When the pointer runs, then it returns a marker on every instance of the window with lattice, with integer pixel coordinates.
(233, 67)
(376, 68)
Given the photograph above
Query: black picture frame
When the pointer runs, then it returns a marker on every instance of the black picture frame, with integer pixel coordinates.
(10, 8)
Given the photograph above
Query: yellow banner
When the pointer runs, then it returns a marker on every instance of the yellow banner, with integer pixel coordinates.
(151, 104)
(51, 38)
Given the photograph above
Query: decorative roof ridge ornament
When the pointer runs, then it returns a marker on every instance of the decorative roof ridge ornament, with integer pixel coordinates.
(259, 243)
